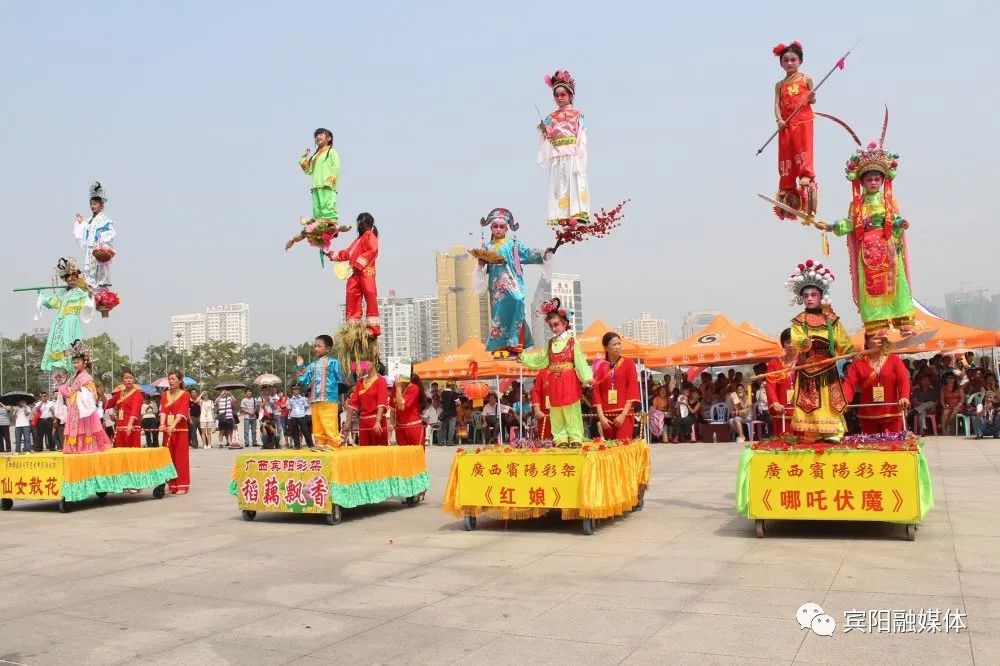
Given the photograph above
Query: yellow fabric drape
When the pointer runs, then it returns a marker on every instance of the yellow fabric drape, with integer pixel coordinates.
(610, 483)
(356, 463)
(80, 466)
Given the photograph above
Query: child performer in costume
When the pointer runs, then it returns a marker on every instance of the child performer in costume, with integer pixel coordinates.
(880, 378)
(540, 402)
(324, 167)
(568, 374)
(793, 100)
(501, 261)
(564, 149)
(323, 378)
(370, 399)
(126, 400)
(83, 432)
(880, 265)
(409, 401)
(95, 237)
(361, 327)
(616, 390)
(817, 334)
(175, 419)
(72, 306)
(780, 389)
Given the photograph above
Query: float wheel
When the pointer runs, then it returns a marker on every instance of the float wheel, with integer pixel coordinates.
(469, 522)
(760, 528)
(160, 491)
(249, 515)
(911, 532)
(588, 526)
(334, 517)
(63, 505)
(6, 504)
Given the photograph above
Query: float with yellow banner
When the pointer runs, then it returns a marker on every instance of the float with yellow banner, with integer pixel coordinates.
(325, 480)
(66, 478)
(595, 481)
(881, 478)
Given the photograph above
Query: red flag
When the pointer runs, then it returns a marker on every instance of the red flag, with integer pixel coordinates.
(841, 63)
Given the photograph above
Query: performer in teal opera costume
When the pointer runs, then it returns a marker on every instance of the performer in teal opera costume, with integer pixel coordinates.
(73, 307)
(501, 262)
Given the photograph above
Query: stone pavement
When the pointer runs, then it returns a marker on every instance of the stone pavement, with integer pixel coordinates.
(186, 581)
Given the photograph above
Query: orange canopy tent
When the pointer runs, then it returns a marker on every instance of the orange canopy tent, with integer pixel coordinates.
(469, 360)
(589, 341)
(720, 343)
(949, 337)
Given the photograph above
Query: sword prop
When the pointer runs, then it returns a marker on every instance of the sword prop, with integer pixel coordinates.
(838, 65)
(807, 221)
(905, 343)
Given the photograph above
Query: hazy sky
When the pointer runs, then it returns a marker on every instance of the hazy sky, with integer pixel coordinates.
(193, 114)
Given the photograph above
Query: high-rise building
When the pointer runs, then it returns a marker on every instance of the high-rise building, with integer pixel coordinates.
(410, 327)
(229, 323)
(695, 320)
(187, 331)
(463, 312)
(646, 329)
(569, 289)
(223, 323)
(974, 307)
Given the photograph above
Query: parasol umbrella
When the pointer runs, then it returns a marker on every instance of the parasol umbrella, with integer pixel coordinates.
(230, 386)
(11, 398)
(163, 383)
(147, 389)
(267, 379)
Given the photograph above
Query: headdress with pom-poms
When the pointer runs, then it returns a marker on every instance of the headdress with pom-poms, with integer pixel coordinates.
(97, 191)
(780, 48)
(873, 157)
(554, 306)
(66, 267)
(501, 214)
(809, 274)
(561, 78)
(79, 350)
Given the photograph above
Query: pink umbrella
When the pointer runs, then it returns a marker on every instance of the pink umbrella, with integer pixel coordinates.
(161, 383)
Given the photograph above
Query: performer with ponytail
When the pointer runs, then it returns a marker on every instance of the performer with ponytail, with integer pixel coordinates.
(793, 100)
(876, 241)
(616, 390)
(358, 338)
(564, 150)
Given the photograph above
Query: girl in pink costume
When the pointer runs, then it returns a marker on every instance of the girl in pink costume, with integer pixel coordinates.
(83, 433)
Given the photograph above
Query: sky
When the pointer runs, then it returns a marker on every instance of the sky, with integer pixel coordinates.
(193, 115)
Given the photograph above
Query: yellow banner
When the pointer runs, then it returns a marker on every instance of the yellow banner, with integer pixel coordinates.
(520, 480)
(284, 481)
(33, 477)
(838, 485)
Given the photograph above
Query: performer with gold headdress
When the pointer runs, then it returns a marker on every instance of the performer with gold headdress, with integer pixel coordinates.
(83, 432)
(817, 333)
(880, 266)
(72, 306)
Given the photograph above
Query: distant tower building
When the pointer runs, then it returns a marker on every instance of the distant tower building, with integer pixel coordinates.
(569, 289)
(646, 329)
(463, 312)
(696, 320)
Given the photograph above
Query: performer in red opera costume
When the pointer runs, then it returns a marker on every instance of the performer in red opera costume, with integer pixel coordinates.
(370, 398)
(126, 400)
(880, 378)
(175, 414)
(361, 255)
(410, 403)
(781, 390)
(540, 403)
(796, 175)
(616, 390)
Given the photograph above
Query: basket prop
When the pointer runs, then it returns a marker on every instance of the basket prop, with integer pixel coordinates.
(106, 301)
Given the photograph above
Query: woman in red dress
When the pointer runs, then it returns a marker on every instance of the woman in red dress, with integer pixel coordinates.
(617, 391)
(409, 409)
(884, 381)
(796, 176)
(126, 400)
(175, 415)
(370, 398)
(781, 388)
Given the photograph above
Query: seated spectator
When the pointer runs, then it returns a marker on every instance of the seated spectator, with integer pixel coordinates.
(432, 418)
(739, 411)
(987, 422)
(683, 416)
(990, 385)
(761, 411)
(658, 414)
(924, 399)
(951, 399)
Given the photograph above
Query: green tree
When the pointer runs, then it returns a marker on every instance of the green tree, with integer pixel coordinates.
(107, 360)
(21, 361)
(214, 361)
(155, 363)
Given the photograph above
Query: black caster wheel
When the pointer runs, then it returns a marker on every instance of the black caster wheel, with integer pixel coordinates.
(249, 515)
(642, 501)
(6, 504)
(911, 532)
(760, 529)
(469, 523)
(588, 526)
(412, 501)
(101, 495)
(334, 517)
(63, 506)
(159, 492)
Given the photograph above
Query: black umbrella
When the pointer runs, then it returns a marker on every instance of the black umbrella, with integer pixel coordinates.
(11, 398)
(230, 386)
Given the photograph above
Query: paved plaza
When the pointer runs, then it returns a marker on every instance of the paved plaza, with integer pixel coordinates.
(186, 580)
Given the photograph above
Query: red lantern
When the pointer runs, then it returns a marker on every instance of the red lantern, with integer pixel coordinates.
(476, 390)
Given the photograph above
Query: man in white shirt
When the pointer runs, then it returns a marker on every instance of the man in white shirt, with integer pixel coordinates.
(44, 428)
(248, 414)
(298, 426)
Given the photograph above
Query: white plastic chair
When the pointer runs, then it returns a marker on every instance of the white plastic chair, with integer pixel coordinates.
(719, 413)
